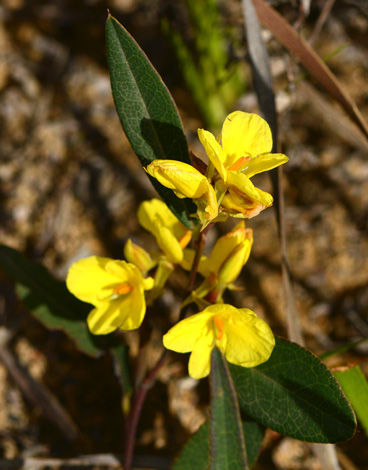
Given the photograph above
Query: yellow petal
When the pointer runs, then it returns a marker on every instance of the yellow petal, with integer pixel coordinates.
(125, 312)
(179, 176)
(234, 263)
(237, 204)
(168, 243)
(157, 218)
(104, 319)
(200, 359)
(224, 246)
(264, 162)
(150, 211)
(183, 336)
(148, 283)
(249, 340)
(207, 208)
(244, 186)
(94, 279)
(213, 150)
(138, 256)
(244, 134)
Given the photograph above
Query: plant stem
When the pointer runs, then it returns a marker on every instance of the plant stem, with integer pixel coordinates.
(147, 383)
(137, 406)
(200, 242)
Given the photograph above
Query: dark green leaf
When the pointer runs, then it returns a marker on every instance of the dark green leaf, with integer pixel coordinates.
(295, 394)
(120, 354)
(49, 300)
(196, 452)
(227, 446)
(146, 110)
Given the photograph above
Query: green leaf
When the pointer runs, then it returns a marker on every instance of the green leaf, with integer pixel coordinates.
(146, 111)
(195, 454)
(120, 354)
(227, 445)
(295, 394)
(50, 301)
(355, 386)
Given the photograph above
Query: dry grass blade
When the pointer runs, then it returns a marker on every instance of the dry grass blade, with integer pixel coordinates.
(266, 98)
(332, 117)
(106, 461)
(310, 60)
(327, 7)
(264, 88)
(39, 395)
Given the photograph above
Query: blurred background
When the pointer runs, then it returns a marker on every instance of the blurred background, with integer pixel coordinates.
(71, 185)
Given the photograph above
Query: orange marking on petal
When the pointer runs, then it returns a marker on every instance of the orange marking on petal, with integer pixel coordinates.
(122, 289)
(185, 239)
(219, 322)
(239, 163)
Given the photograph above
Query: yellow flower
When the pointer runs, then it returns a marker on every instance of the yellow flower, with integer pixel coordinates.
(240, 152)
(244, 338)
(186, 181)
(115, 288)
(171, 235)
(225, 263)
(229, 255)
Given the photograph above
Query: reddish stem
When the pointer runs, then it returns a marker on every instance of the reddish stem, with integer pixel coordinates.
(137, 406)
(147, 383)
(201, 241)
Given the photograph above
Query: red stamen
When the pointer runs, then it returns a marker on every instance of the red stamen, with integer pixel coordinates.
(185, 239)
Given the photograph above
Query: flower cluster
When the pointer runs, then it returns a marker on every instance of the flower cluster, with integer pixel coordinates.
(120, 290)
(241, 151)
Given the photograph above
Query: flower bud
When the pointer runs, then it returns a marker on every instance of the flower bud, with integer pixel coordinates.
(231, 267)
(138, 256)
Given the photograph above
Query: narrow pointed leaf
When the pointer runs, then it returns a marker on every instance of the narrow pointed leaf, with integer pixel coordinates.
(227, 445)
(295, 394)
(49, 300)
(195, 454)
(146, 110)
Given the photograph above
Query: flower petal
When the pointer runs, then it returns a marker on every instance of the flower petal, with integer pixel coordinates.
(245, 134)
(213, 150)
(238, 205)
(168, 243)
(184, 179)
(264, 162)
(224, 246)
(126, 312)
(171, 235)
(183, 336)
(138, 256)
(234, 263)
(207, 208)
(105, 318)
(245, 186)
(93, 279)
(200, 359)
(249, 340)
(150, 211)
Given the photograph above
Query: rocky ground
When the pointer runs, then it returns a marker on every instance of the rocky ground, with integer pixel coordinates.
(70, 187)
